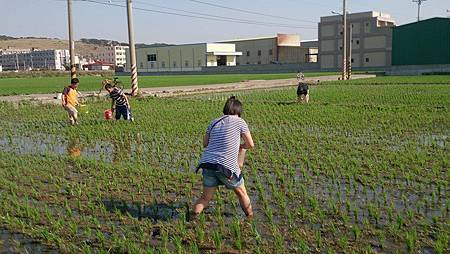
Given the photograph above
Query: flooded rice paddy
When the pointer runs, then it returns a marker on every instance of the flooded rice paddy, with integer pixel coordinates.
(366, 175)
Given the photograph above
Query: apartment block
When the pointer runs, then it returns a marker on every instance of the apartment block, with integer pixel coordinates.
(370, 40)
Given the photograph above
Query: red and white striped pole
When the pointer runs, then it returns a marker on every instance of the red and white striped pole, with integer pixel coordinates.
(133, 67)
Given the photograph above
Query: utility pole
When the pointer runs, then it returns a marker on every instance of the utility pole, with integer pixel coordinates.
(349, 59)
(73, 68)
(133, 67)
(419, 3)
(344, 40)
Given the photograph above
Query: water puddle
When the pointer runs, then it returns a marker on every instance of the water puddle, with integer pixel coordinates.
(110, 152)
(402, 200)
(154, 212)
(56, 146)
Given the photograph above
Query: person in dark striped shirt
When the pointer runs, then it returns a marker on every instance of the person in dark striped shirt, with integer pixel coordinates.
(222, 159)
(120, 104)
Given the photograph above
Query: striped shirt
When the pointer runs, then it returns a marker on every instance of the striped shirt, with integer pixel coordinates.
(118, 96)
(224, 141)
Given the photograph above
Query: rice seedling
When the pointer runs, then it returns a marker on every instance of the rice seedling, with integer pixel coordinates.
(217, 238)
(411, 239)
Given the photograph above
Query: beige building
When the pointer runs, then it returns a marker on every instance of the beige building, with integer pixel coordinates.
(371, 40)
(189, 57)
(112, 54)
(282, 49)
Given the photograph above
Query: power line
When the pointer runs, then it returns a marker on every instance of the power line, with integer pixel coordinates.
(213, 16)
(218, 18)
(251, 12)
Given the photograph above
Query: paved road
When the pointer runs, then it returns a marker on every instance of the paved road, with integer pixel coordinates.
(184, 90)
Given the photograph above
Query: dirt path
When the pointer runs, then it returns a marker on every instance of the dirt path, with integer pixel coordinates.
(184, 90)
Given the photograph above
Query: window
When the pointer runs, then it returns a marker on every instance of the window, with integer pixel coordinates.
(259, 52)
(248, 53)
(353, 60)
(174, 64)
(186, 63)
(259, 62)
(357, 42)
(367, 27)
(270, 52)
(151, 58)
(367, 59)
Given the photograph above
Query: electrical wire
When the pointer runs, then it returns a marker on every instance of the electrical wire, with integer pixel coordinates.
(214, 16)
(218, 18)
(251, 12)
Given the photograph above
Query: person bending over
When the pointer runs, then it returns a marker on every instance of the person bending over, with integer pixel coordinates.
(302, 92)
(219, 162)
(119, 104)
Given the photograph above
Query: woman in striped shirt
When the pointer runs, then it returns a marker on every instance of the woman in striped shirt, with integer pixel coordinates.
(219, 162)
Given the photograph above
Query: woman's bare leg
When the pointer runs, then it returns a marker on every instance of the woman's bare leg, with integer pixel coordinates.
(202, 202)
(244, 200)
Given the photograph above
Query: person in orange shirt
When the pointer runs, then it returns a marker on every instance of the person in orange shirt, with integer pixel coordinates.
(70, 100)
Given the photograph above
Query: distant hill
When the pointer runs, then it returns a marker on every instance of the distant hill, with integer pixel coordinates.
(85, 47)
(154, 45)
(5, 37)
(102, 42)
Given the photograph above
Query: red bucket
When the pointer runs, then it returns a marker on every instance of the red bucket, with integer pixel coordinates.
(107, 114)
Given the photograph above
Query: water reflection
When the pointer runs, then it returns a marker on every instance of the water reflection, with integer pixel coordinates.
(74, 148)
(155, 212)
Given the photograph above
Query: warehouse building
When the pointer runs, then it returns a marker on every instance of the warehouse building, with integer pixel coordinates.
(371, 41)
(189, 57)
(426, 42)
(274, 50)
(280, 49)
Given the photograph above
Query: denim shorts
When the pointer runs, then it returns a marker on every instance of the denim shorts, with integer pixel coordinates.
(213, 178)
(123, 111)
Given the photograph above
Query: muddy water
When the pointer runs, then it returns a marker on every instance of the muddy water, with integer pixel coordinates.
(11, 242)
(56, 146)
(99, 150)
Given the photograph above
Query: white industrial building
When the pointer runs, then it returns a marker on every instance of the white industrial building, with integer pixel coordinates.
(189, 57)
(35, 59)
(112, 54)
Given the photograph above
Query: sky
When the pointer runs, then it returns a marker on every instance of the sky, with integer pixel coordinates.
(48, 18)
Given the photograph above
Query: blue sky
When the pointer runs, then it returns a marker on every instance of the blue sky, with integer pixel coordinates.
(48, 18)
